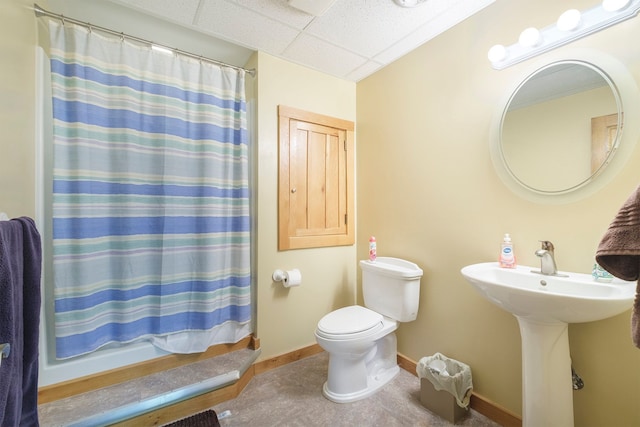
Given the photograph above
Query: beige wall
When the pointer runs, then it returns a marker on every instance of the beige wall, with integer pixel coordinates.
(17, 109)
(287, 317)
(428, 191)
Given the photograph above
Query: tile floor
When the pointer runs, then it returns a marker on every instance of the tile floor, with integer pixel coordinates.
(292, 396)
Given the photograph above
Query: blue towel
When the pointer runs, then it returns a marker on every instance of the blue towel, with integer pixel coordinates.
(20, 266)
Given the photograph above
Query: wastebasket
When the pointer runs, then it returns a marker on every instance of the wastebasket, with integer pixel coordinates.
(445, 386)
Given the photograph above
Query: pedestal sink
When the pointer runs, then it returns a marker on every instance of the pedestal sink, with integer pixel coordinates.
(544, 306)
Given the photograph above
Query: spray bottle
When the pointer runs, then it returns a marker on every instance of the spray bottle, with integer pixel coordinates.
(372, 248)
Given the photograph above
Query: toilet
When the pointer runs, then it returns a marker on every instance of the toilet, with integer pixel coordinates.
(361, 341)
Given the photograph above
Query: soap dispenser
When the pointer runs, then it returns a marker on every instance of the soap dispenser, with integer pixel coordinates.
(507, 257)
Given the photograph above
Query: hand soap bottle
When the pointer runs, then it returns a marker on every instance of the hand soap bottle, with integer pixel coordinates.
(507, 256)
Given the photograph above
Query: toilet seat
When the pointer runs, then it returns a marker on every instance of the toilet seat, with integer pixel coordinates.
(350, 323)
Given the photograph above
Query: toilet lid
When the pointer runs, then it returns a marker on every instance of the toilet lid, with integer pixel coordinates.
(349, 320)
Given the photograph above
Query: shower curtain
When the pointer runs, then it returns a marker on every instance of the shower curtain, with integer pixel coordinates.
(151, 226)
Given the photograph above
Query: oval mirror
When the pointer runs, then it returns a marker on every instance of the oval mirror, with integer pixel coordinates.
(561, 127)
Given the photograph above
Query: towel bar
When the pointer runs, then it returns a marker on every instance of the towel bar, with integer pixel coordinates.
(5, 349)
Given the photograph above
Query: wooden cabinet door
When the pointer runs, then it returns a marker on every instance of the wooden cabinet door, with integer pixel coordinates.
(604, 130)
(315, 181)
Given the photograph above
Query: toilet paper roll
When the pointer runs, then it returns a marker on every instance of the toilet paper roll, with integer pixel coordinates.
(292, 278)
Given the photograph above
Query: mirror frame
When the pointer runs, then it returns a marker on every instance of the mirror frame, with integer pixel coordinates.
(620, 80)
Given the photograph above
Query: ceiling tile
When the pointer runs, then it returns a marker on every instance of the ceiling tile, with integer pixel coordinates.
(278, 10)
(233, 22)
(320, 55)
(353, 39)
(370, 26)
(364, 70)
(453, 15)
(180, 11)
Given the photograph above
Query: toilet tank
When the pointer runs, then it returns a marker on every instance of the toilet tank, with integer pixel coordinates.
(391, 287)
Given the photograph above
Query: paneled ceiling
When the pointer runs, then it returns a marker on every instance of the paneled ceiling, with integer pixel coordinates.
(351, 39)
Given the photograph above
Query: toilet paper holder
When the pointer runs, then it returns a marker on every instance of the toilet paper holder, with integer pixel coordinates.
(288, 278)
(278, 275)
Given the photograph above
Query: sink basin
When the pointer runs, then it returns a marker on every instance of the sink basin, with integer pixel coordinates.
(544, 306)
(567, 297)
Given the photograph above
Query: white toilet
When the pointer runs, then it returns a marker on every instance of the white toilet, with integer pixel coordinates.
(361, 341)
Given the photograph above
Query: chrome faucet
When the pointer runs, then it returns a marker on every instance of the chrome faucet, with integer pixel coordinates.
(547, 261)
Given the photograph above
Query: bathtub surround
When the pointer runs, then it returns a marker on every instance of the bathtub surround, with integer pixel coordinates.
(151, 224)
(156, 398)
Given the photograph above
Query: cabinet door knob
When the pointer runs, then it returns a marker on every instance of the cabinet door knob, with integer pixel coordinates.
(293, 190)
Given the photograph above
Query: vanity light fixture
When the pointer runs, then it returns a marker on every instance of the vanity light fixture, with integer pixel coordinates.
(614, 5)
(571, 25)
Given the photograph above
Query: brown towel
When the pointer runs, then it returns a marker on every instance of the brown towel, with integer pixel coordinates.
(619, 252)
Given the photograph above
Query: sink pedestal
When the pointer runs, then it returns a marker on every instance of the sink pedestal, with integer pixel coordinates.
(547, 390)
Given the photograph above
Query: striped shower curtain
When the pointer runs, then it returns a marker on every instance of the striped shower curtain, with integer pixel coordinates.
(151, 227)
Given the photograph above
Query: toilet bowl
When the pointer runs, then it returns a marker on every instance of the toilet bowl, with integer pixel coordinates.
(362, 349)
(361, 341)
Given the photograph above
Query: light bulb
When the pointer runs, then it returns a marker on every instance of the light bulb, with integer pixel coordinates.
(614, 5)
(530, 37)
(569, 20)
(497, 53)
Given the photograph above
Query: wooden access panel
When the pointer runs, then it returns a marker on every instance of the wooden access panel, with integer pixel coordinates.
(315, 201)
(604, 130)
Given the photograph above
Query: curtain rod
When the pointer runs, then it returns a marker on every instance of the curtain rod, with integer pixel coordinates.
(41, 12)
